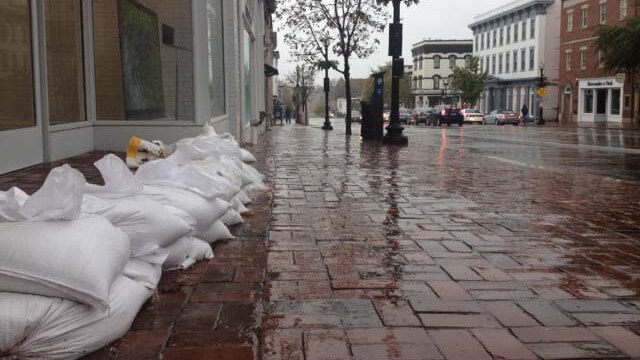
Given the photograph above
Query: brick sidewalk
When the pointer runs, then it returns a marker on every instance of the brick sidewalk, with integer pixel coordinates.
(369, 252)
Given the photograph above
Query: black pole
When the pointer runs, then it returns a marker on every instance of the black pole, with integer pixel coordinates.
(327, 122)
(541, 120)
(394, 130)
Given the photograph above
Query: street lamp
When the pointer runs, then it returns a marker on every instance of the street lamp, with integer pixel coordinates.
(394, 130)
(540, 93)
(326, 64)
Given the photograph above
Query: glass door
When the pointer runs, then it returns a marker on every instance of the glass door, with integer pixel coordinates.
(21, 140)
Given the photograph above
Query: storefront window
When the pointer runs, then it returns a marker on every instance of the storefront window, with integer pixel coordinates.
(65, 67)
(615, 102)
(216, 58)
(143, 59)
(588, 101)
(16, 77)
(246, 65)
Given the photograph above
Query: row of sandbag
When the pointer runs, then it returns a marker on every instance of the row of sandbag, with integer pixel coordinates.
(78, 261)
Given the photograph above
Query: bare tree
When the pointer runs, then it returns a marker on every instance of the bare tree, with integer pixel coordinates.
(302, 81)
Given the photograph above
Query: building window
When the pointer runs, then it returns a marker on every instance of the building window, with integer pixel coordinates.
(588, 101)
(567, 60)
(452, 61)
(585, 17)
(247, 93)
(493, 64)
(623, 9)
(436, 62)
(216, 58)
(523, 53)
(524, 30)
(467, 61)
(501, 36)
(515, 60)
(532, 63)
(127, 38)
(507, 62)
(569, 21)
(615, 102)
(482, 41)
(436, 82)
(476, 44)
(600, 59)
(16, 86)
(500, 63)
(508, 34)
(420, 82)
(487, 64)
(495, 38)
(532, 30)
(481, 64)
(627, 101)
(603, 13)
(515, 32)
(421, 63)
(583, 58)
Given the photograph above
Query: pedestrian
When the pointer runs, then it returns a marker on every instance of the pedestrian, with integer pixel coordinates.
(287, 114)
(525, 112)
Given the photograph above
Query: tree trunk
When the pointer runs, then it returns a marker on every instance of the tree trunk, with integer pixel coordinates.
(347, 90)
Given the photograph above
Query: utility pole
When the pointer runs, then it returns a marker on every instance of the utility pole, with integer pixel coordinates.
(394, 130)
(326, 64)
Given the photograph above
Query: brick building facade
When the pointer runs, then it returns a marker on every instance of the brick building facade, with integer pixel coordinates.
(588, 92)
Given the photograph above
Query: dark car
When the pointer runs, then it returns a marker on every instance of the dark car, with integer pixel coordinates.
(421, 115)
(447, 114)
(404, 116)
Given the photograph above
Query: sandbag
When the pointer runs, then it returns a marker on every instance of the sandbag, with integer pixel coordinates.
(205, 211)
(142, 219)
(239, 206)
(185, 252)
(76, 260)
(218, 231)
(144, 273)
(231, 218)
(119, 181)
(243, 198)
(37, 327)
(59, 198)
(168, 172)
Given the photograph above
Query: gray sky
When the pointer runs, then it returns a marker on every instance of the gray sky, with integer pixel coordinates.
(435, 19)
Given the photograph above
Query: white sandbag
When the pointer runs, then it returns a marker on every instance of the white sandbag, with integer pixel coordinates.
(76, 260)
(141, 218)
(212, 165)
(218, 231)
(119, 181)
(187, 251)
(36, 327)
(247, 156)
(239, 206)
(231, 218)
(243, 197)
(59, 198)
(204, 211)
(144, 273)
(167, 172)
(151, 253)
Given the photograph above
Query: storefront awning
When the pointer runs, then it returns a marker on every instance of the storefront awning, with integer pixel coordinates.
(270, 70)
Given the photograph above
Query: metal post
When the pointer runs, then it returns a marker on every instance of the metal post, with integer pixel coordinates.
(541, 118)
(327, 122)
(394, 130)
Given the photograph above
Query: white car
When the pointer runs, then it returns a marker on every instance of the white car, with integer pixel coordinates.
(472, 116)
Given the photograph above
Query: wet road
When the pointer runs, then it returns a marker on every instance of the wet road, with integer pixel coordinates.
(471, 243)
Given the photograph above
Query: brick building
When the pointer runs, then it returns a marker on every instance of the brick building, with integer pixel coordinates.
(588, 92)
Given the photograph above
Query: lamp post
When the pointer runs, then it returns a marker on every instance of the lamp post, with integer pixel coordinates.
(394, 130)
(326, 64)
(540, 93)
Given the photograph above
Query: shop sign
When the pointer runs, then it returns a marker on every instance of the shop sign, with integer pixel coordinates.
(600, 83)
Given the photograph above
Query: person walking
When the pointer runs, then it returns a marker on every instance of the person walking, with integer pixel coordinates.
(287, 115)
(525, 113)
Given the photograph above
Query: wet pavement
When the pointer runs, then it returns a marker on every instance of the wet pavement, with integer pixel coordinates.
(477, 242)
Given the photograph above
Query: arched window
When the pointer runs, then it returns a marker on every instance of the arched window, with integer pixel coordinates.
(436, 82)
(436, 62)
(452, 61)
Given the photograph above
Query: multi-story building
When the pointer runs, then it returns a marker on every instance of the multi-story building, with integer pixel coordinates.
(79, 75)
(433, 63)
(513, 43)
(588, 92)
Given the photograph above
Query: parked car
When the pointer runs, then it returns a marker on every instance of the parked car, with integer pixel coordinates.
(404, 116)
(472, 116)
(421, 115)
(502, 117)
(446, 114)
(355, 116)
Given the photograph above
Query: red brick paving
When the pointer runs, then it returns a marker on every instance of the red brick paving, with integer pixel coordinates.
(367, 252)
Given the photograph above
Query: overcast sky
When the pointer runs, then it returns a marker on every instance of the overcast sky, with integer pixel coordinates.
(435, 19)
